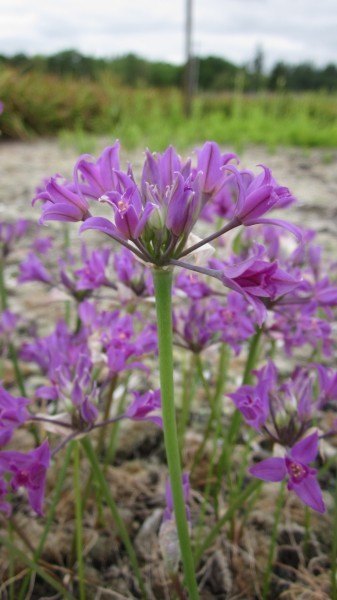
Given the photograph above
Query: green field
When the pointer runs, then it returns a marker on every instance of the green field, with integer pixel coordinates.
(37, 104)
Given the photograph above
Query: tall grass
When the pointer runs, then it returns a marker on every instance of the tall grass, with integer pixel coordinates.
(36, 104)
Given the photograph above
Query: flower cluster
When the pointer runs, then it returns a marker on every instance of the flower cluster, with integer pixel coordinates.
(155, 217)
(284, 412)
(267, 277)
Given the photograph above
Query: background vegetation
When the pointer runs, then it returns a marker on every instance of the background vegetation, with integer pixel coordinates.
(69, 94)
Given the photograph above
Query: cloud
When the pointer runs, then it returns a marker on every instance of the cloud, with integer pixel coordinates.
(290, 30)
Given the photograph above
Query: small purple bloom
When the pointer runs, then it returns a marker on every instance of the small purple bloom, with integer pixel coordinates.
(11, 233)
(61, 203)
(145, 407)
(41, 245)
(327, 379)
(297, 329)
(94, 273)
(184, 205)
(253, 403)
(32, 269)
(255, 279)
(257, 196)
(132, 273)
(94, 179)
(159, 170)
(28, 471)
(8, 322)
(192, 285)
(295, 468)
(13, 413)
(210, 163)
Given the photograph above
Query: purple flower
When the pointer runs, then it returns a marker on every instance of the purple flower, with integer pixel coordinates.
(129, 214)
(327, 379)
(192, 326)
(94, 179)
(295, 468)
(192, 285)
(255, 279)
(323, 294)
(32, 269)
(83, 395)
(183, 205)
(10, 233)
(28, 471)
(72, 380)
(94, 272)
(253, 403)
(132, 273)
(8, 322)
(231, 320)
(65, 359)
(297, 329)
(123, 346)
(283, 410)
(159, 170)
(62, 203)
(13, 413)
(42, 244)
(145, 407)
(154, 218)
(210, 163)
(257, 196)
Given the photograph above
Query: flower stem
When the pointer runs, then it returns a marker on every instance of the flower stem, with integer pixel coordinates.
(163, 290)
(188, 386)
(277, 516)
(3, 291)
(253, 354)
(78, 520)
(334, 550)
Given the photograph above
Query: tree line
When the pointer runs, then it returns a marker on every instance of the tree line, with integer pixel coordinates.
(210, 73)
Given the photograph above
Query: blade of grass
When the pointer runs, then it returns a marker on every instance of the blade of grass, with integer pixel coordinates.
(54, 583)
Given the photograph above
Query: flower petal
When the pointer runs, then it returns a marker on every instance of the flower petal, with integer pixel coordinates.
(101, 224)
(271, 469)
(61, 211)
(310, 493)
(296, 231)
(305, 451)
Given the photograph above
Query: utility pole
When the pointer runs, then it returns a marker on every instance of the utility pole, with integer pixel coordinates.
(188, 73)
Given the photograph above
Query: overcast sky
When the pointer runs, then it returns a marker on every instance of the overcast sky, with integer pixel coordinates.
(289, 30)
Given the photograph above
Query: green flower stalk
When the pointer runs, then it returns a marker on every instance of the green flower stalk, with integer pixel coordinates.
(163, 285)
